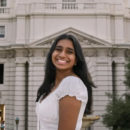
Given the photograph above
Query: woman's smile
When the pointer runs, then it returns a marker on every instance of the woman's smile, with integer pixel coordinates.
(63, 56)
(62, 62)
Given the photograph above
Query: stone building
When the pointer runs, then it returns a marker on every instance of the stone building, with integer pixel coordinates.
(27, 30)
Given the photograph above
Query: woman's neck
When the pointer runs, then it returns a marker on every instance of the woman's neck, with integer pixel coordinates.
(61, 75)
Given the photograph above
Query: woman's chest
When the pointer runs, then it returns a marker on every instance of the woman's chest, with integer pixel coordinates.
(49, 108)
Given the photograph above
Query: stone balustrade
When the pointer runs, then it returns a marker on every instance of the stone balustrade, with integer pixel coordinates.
(69, 6)
(47, 7)
(4, 10)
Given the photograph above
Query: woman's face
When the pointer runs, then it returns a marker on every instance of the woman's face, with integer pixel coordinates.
(63, 56)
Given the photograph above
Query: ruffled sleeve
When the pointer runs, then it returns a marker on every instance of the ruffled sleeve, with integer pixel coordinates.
(72, 86)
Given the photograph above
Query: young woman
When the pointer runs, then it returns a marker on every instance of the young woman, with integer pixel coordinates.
(66, 92)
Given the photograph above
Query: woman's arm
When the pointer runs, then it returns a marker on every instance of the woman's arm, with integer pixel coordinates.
(69, 108)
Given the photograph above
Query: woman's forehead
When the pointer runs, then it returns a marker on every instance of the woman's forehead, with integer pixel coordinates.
(65, 43)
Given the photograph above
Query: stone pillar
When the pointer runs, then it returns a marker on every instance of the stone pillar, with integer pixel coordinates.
(19, 97)
(119, 59)
(103, 82)
(102, 27)
(36, 76)
(20, 35)
(10, 83)
(119, 22)
(109, 39)
(38, 27)
(119, 29)
(31, 39)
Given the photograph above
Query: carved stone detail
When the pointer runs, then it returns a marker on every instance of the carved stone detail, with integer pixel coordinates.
(38, 53)
(75, 35)
(102, 52)
(82, 40)
(45, 52)
(22, 52)
(86, 42)
(127, 53)
(11, 53)
(31, 52)
(47, 43)
(109, 53)
(3, 54)
(89, 53)
(114, 53)
(118, 52)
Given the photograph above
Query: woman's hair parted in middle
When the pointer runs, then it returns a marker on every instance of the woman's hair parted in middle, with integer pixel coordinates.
(80, 69)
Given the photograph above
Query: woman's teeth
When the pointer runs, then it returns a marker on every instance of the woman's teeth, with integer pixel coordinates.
(62, 61)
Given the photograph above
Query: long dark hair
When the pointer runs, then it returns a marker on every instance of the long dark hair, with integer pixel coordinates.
(80, 69)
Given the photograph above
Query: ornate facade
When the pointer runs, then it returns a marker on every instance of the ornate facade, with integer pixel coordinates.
(30, 27)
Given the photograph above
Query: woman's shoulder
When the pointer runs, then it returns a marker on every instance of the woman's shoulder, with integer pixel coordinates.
(73, 82)
(72, 86)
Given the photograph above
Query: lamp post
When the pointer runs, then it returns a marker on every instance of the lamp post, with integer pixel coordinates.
(2, 126)
(17, 122)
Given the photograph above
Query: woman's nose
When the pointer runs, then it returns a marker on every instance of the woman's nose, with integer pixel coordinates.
(62, 54)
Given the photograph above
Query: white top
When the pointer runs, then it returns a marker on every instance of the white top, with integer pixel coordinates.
(48, 110)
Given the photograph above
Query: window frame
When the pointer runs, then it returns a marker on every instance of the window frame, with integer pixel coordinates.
(6, 33)
(1, 31)
(1, 3)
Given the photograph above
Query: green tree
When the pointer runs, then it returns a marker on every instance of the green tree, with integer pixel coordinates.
(117, 114)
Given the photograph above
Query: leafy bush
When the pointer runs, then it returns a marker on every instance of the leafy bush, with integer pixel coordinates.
(117, 114)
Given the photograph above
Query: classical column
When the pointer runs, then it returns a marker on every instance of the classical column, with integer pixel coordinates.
(9, 83)
(31, 39)
(103, 82)
(19, 97)
(20, 35)
(36, 76)
(119, 22)
(119, 59)
(102, 26)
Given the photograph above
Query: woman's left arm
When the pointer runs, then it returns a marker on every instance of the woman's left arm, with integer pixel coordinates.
(69, 108)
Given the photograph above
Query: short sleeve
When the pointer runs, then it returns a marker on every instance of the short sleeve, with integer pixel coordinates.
(72, 86)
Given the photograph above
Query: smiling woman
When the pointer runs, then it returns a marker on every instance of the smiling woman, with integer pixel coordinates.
(66, 92)
(63, 56)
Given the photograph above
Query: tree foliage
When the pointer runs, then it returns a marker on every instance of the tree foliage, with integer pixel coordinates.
(117, 114)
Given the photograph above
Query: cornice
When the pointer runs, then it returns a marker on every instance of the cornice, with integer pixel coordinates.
(42, 52)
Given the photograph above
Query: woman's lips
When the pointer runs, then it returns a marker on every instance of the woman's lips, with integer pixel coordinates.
(61, 62)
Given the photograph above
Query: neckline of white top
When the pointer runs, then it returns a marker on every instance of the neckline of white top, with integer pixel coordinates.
(40, 101)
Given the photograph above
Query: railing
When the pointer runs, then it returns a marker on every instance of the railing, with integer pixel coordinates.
(4, 10)
(89, 6)
(70, 6)
(50, 6)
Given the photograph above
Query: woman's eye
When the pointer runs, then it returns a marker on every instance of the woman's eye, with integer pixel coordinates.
(70, 52)
(58, 49)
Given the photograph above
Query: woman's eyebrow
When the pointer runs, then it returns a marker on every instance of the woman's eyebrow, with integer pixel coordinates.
(67, 48)
(71, 49)
(59, 46)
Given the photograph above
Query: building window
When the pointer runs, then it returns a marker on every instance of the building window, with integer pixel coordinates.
(69, 0)
(1, 73)
(3, 2)
(2, 31)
